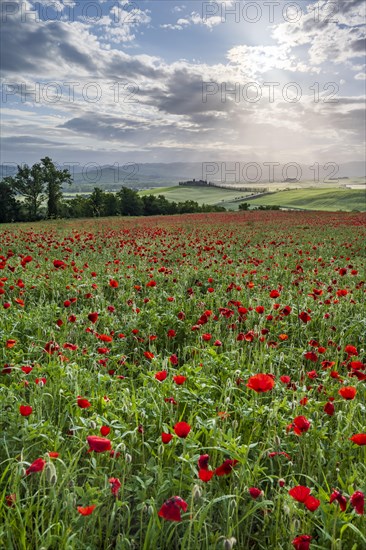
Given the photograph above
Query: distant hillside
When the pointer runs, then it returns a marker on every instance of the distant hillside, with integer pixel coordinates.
(315, 199)
(331, 199)
(147, 175)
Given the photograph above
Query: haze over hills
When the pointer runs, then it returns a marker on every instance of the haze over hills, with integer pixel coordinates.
(147, 175)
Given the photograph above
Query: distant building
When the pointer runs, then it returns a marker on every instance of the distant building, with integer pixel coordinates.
(291, 180)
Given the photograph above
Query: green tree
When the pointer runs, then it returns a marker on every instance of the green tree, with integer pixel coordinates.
(9, 210)
(40, 182)
(97, 201)
(130, 202)
(28, 183)
(111, 204)
(79, 207)
(54, 180)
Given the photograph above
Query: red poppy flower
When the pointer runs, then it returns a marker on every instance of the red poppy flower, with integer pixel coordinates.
(312, 503)
(351, 350)
(171, 508)
(259, 309)
(98, 444)
(86, 510)
(205, 475)
(358, 502)
(299, 493)
(301, 425)
(261, 383)
(105, 338)
(104, 430)
(161, 375)
(10, 500)
(53, 454)
(36, 466)
(347, 392)
(173, 359)
(166, 438)
(25, 410)
(255, 492)
(27, 369)
(226, 467)
(206, 337)
(203, 462)
(113, 283)
(59, 263)
(182, 429)
(170, 400)
(305, 317)
(274, 294)
(337, 495)
(359, 439)
(311, 356)
(51, 347)
(329, 408)
(179, 379)
(83, 403)
(274, 453)
(355, 365)
(115, 485)
(327, 364)
(249, 336)
(302, 542)
(72, 347)
(285, 379)
(10, 343)
(149, 355)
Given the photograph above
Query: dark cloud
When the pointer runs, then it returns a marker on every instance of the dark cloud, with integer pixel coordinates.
(29, 140)
(359, 45)
(121, 67)
(346, 6)
(187, 94)
(33, 46)
(104, 127)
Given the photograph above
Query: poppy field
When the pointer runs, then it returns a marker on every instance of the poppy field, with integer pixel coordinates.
(187, 382)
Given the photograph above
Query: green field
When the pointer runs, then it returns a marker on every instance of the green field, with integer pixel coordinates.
(305, 199)
(316, 199)
(202, 195)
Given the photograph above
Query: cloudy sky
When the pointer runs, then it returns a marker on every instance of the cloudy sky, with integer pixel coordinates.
(162, 81)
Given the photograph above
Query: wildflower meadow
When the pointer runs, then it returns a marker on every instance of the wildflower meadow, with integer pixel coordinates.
(187, 382)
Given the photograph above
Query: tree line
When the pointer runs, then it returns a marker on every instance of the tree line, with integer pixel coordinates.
(36, 193)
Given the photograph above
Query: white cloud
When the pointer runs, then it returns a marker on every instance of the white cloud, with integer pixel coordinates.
(254, 60)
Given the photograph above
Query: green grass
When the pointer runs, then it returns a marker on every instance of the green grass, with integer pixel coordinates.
(212, 271)
(332, 199)
(316, 199)
(201, 195)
